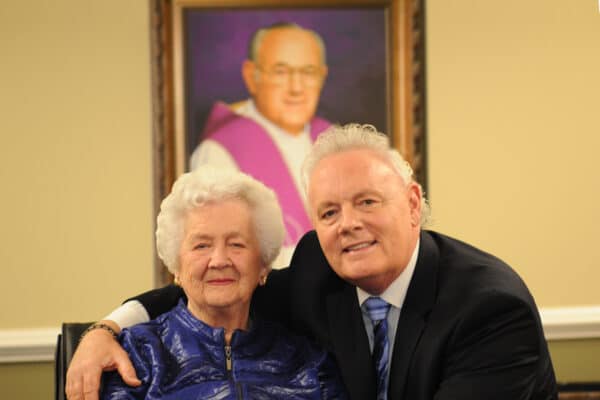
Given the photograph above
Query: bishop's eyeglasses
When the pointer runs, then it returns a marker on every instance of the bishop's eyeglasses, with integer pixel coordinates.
(281, 74)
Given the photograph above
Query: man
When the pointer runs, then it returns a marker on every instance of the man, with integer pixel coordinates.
(457, 323)
(268, 135)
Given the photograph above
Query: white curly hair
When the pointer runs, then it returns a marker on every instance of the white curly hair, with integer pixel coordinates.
(208, 184)
(339, 138)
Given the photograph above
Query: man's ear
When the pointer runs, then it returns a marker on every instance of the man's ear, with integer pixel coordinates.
(249, 75)
(414, 202)
(325, 71)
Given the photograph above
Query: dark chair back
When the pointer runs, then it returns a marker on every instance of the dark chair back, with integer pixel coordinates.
(65, 347)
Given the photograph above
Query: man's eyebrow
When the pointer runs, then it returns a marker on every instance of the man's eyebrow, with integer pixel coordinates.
(284, 64)
(367, 192)
(325, 204)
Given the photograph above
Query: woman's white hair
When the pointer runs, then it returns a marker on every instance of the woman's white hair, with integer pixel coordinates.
(339, 138)
(208, 184)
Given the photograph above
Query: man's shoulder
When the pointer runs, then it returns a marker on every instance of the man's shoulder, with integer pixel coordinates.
(281, 336)
(309, 269)
(465, 270)
(453, 250)
(225, 120)
(308, 254)
(318, 125)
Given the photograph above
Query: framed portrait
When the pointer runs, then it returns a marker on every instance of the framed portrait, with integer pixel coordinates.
(238, 84)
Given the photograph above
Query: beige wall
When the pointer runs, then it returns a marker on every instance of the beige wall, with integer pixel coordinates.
(513, 136)
(75, 160)
(513, 133)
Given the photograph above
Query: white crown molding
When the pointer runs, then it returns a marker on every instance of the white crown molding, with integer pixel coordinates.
(39, 344)
(562, 323)
(27, 345)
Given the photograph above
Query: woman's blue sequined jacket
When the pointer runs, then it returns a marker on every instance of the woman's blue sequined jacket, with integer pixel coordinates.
(177, 356)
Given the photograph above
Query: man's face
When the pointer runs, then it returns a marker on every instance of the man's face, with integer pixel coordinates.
(282, 80)
(220, 259)
(367, 220)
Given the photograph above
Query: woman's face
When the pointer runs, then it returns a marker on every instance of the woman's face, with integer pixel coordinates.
(220, 259)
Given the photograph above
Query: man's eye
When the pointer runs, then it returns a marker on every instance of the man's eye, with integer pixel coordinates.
(279, 71)
(368, 202)
(201, 246)
(239, 245)
(327, 214)
(309, 71)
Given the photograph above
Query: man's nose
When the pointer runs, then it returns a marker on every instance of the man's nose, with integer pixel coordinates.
(219, 258)
(349, 220)
(295, 83)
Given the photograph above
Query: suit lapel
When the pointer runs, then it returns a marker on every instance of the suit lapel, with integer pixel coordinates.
(410, 327)
(419, 300)
(350, 343)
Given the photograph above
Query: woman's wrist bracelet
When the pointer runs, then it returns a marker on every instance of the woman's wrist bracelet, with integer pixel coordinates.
(99, 325)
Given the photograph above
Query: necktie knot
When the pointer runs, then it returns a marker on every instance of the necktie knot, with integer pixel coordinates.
(376, 308)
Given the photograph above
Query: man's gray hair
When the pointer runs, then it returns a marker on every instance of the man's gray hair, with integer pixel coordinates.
(209, 185)
(338, 138)
(259, 35)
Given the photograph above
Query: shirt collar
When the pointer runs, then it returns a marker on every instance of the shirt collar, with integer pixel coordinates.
(396, 292)
(249, 110)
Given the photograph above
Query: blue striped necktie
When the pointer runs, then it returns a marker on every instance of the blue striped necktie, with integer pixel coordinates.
(377, 310)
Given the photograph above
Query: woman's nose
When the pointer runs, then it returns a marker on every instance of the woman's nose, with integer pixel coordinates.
(219, 258)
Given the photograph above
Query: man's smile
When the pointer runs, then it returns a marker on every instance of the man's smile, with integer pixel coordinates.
(358, 246)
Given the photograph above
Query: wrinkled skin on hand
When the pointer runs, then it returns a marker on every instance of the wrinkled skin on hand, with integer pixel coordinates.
(98, 351)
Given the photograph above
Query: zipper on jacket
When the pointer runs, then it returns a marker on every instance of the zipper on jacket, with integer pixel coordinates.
(229, 366)
(228, 359)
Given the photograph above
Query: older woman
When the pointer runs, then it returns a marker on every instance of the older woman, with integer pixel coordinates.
(218, 233)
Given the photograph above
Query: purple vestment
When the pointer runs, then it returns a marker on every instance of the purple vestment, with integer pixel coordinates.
(257, 155)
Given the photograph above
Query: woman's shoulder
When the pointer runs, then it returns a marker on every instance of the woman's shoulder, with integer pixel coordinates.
(146, 332)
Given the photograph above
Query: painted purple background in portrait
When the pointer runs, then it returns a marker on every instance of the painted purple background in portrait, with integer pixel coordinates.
(216, 44)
